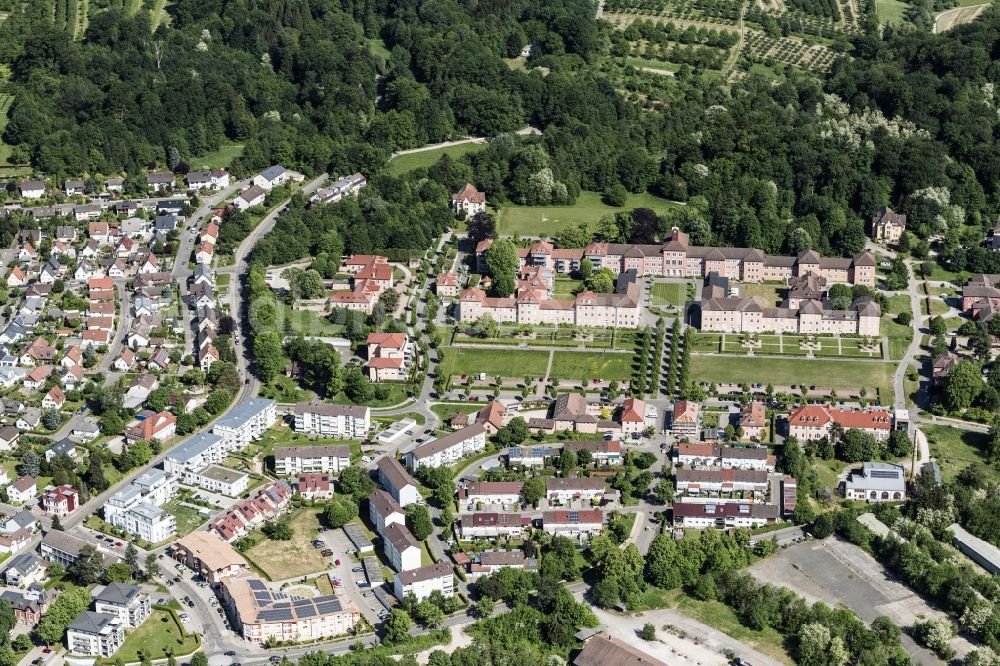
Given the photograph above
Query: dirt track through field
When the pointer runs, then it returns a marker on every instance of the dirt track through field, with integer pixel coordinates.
(948, 19)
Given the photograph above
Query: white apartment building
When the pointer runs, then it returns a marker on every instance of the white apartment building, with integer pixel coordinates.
(196, 453)
(128, 602)
(326, 458)
(327, 420)
(245, 422)
(447, 450)
(421, 582)
(222, 480)
(383, 511)
(397, 481)
(136, 507)
(401, 548)
(95, 634)
(128, 511)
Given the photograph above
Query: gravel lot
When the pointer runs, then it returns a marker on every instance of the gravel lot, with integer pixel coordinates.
(841, 574)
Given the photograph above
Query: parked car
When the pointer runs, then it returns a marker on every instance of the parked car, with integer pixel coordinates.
(326, 552)
(337, 563)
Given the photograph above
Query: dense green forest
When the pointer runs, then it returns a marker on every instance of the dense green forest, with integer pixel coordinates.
(908, 120)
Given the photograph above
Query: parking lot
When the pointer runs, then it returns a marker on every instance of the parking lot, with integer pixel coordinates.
(352, 575)
(841, 574)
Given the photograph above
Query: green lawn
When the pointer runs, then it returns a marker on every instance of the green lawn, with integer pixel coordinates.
(405, 163)
(377, 47)
(550, 220)
(188, 518)
(218, 159)
(158, 634)
(446, 410)
(288, 559)
(890, 11)
(669, 293)
(284, 389)
(508, 363)
(899, 303)
(565, 288)
(397, 394)
(784, 372)
(899, 336)
(769, 295)
(588, 365)
(955, 449)
(311, 322)
(5, 104)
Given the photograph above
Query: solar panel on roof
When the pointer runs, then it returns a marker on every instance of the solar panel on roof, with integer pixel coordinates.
(302, 602)
(306, 611)
(256, 584)
(276, 615)
(328, 607)
(262, 596)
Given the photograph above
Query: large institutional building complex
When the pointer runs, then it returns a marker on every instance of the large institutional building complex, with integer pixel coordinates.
(532, 303)
(805, 310)
(678, 258)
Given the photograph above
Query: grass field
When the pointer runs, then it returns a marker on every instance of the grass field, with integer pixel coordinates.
(377, 47)
(565, 288)
(284, 389)
(218, 159)
(639, 63)
(767, 294)
(890, 11)
(289, 559)
(405, 163)
(588, 365)
(956, 449)
(5, 103)
(508, 363)
(188, 518)
(158, 636)
(311, 322)
(550, 220)
(785, 372)
(669, 293)
(899, 303)
(899, 336)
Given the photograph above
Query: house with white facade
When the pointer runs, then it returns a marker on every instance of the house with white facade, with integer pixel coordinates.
(94, 634)
(318, 458)
(561, 490)
(383, 511)
(577, 524)
(723, 515)
(421, 582)
(491, 492)
(324, 419)
(128, 602)
(876, 482)
(448, 449)
(401, 548)
(246, 422)
(397, 481)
